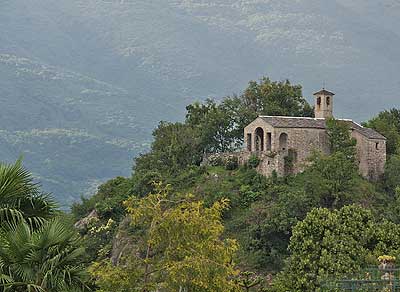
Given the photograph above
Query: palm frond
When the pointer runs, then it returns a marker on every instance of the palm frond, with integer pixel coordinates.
(21, 198)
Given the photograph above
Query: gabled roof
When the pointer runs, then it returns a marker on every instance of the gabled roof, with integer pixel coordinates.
(324, 92)
(303, 122)
(294, 122)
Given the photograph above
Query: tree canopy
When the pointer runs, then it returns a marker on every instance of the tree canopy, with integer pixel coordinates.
(179, 247)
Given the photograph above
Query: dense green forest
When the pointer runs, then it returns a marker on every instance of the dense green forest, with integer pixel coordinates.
(178, 225)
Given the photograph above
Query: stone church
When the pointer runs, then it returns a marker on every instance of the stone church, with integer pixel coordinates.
(275, 138)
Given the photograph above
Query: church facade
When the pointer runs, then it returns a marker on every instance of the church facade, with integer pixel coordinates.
(284, 144)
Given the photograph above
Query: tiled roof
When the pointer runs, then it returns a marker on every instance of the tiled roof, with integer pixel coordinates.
(324, 92)
(302, 122)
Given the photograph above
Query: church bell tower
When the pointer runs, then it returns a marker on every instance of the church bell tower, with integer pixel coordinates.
(323, 104)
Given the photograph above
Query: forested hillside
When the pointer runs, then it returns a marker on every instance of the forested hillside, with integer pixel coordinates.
(178, 224)
(79, 75)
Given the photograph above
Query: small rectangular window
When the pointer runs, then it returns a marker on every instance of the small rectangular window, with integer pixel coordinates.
(377, 145)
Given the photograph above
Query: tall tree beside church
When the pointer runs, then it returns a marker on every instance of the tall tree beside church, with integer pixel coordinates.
(340, 138)
(276, 98)
(221, 124)
(215, 125)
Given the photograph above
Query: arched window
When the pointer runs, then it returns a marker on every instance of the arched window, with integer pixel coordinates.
(328, 100)
(283, 141)
(259, 139)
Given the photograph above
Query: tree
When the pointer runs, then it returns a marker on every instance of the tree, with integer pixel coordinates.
(331, 179)
(215, 124)
(340, 138)
(221, 125)
(213, 127)
(107, 201)
(46, 259)
(326, 244)
(21, 198)
(335, 245)
(272, 219)
(275, 98)
(392, 173)
(178, 246)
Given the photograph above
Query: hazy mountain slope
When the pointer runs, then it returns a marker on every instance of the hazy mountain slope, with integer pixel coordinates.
(70, 128)
(79, 75)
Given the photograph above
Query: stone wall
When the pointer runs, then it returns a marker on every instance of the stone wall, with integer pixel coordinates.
(371, 156)
(301, 142)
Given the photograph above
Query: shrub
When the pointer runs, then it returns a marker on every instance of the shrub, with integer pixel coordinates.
(254, 161)
(231, 163)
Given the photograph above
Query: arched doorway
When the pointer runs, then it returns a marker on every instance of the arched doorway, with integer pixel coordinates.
(259, 141)
(283, 141)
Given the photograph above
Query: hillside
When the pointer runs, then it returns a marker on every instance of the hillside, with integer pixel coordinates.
(90, 79)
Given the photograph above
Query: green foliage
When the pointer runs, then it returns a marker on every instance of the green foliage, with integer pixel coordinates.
(333, 177)
(107, 209)
(388, 124)
(331, 181)
(212, 127)
(335, 244)
(392, 173)
(275, 98)
(232, 163)
(253, 161)
(183, 242)
(272, 218)
(20, 198)
(38, 252)
(221, 125)
(340, 138)
(249, 280)
(289, 161)
(215, 124)
(327, 243)
(179, 247)
(107, 201)
(46, 259)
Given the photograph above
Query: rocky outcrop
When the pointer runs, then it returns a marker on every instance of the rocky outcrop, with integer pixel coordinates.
(84, 222)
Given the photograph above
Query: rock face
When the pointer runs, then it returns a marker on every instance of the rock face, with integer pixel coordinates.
(84, 222)
(122, 242)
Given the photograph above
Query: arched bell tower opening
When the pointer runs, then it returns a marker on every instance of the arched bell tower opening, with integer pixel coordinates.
(323, 104)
